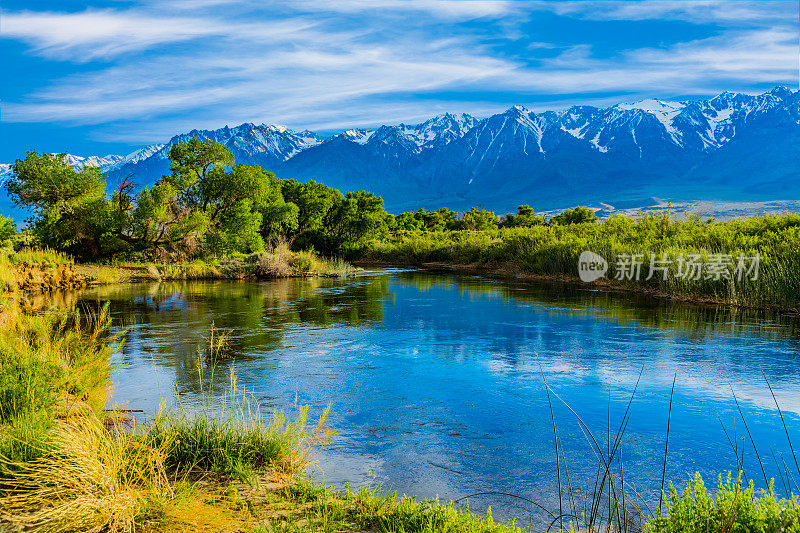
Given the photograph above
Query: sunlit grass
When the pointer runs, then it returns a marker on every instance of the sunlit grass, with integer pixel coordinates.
(8, 275)
(732, 507)
(320, 508)
(41, 256)
(87, 479)
(554, 251)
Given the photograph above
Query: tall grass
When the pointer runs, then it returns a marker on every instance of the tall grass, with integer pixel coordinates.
(50, 362)
(8, 276)
(554, 251)
(232, 440)
(281, 261)
(87, 479)
(612, 504)
(62, 469)
(733, 507)
(40, 256)
(325, 510)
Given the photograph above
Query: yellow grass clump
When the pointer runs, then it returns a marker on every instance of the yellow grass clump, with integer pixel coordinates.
(89, 480)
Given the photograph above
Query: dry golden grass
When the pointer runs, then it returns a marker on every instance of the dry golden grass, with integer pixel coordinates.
(87, 480)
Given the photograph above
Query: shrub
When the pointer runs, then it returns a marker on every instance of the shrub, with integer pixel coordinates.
(732, 508)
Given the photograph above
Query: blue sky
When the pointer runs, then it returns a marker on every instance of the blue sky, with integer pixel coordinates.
(118, 74)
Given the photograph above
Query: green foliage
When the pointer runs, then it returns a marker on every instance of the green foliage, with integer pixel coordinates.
(330, 221)
(443, 219)
(195, 163)
(368, 510)
(732, 508)
(70, 210)
(478, 219)
(579, 215)
(207, 205)
(43, 359)
(553, 250)
(158, 219)
(523, 218)
(231, 441)
(7, 231)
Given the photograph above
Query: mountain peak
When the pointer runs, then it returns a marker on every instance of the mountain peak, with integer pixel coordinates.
(517, 110)
(781, 91)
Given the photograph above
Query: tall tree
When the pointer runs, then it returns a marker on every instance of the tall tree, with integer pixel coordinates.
(69, 207)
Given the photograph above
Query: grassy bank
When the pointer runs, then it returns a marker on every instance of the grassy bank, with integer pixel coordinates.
(553, 251)
(43, 270)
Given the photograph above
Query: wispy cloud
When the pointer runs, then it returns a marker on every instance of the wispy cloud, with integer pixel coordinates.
(107, 33)
(160, 67)
(697, 11)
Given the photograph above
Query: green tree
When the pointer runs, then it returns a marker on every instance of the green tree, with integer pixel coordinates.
(7, 231)
(234, 202)
(523, 218)
(448, 219)
(331, 221)
(70, 210)
(193, 161)
(579, 215)
(478, 219)
(314, 201)
(408, 221)
(207, 204)
(360, 216)
(159, 220)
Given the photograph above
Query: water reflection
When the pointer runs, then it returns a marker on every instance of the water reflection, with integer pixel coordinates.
(436, 379)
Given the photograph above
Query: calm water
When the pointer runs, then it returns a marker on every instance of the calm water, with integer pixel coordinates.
(436, 379)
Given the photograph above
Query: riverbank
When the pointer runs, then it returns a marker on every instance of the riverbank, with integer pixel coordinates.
(37, 271)
(512, 272)
(749, 263)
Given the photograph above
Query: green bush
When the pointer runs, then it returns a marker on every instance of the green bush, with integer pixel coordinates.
(733, 508)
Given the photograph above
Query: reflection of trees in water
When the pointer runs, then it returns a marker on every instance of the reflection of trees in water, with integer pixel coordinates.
(578, 329)
(169, 323)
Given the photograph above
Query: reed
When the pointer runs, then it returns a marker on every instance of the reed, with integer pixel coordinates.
(553, 251)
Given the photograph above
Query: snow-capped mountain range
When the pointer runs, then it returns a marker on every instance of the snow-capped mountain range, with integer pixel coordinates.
(734, 146)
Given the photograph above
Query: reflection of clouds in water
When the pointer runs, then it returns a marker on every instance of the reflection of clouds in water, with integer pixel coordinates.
(702, 380)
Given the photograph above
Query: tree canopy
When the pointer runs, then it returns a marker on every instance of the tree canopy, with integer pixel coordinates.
(209, 204)
(579, 215)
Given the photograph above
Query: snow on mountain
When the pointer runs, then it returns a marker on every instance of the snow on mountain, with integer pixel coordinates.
(439, 130)
(357, 136)
(664, 112)
(140, 155)
(269, 143)
(5, 172)
(650, 147)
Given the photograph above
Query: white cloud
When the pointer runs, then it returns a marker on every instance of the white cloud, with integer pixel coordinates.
(361, 63)
(697, 11)
(94, 34)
